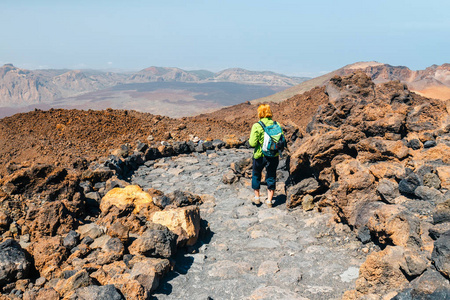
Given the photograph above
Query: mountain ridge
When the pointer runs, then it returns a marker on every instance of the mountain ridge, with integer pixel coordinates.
(22, 87)
(431, 82)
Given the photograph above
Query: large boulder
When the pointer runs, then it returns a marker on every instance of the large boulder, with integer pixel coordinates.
(183, 221)
(295, 193)
(159, 242)
(430, 285)
(392, 224)
(131, 196)
(14, 264)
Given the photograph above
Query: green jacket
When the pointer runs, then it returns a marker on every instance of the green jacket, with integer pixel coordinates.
(257, 137)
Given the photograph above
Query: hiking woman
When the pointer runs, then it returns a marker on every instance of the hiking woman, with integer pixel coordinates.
(260, 160)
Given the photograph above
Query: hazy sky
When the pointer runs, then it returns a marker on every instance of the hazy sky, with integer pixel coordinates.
(301, 38)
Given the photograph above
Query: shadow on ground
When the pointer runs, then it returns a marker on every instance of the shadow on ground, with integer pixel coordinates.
(280, 200)
(183, 259)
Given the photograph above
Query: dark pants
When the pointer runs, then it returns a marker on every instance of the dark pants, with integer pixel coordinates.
(271, 164)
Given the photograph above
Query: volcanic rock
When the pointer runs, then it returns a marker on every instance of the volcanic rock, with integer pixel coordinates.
(295, 193)
(181, 198)
(71, 240)
(48, 254)
(381, 272)
(52, 219)
(183, 221)
(431, 180)
(130, 196)
(14, 263)
(388, 190)
(78, 280)
(155, 242)
(408, 185)
(441, 254)
(94, 292)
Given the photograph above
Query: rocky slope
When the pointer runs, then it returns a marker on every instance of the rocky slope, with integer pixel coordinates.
(67, 136)
(377, 157)
(433, 82)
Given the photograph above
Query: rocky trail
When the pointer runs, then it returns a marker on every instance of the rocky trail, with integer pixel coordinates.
(251, 252)
(365, 213)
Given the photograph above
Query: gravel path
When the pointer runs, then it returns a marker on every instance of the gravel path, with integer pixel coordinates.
(252, 252)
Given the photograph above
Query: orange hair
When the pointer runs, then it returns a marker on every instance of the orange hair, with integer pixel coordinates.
(264, 111)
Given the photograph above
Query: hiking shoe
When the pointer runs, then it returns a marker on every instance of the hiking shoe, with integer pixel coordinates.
(269, 203)
(256, 200)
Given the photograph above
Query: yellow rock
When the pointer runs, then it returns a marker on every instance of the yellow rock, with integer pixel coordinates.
(183, 221)
(122, 197)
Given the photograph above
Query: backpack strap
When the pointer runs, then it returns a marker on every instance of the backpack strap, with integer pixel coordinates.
(262, 125)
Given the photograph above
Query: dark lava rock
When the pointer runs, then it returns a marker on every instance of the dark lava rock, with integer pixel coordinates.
(364, 235)
(152, 153)
(13, 262)
(71, 240)
(208, 145)
(388, 190)
(114, 163)
(430, 285)
(218, 143)
(442, 213)
(429, 144)
(437, 230)
(295, 193)
(94, 292)
(431, 180)
(441, 254)
(181, 198)
(181, 148)
(87, 240)
(156, 243)
(428, 194)
(141, 147)
(414, 144)
(409, 184)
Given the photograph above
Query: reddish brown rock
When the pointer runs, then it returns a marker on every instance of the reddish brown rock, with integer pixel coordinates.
(381, 272)
(392, 224)
(78, 280)
(52, 219)
(48, 254)
(47, 294)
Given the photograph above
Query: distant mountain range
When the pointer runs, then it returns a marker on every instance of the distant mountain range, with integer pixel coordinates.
(433, 82)
(20, 87)
(177, 93)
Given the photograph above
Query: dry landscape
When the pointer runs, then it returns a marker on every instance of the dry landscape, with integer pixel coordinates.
(373, 158)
